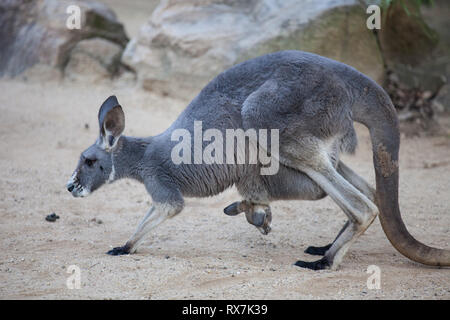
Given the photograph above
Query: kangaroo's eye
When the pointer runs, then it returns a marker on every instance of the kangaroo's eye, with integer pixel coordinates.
(89, 162)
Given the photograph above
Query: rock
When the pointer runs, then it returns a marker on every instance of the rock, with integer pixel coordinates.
(417, 46)
(404, 35)
(93, 59)
(186, 43)
(437, 17)
(442, 99)
(52, 217)
(98, 221)
(35, 33)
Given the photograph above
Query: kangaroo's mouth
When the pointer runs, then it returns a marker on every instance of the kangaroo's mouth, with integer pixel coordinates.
(75, 188)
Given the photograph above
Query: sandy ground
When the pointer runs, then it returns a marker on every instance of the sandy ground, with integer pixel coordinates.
(201, 253)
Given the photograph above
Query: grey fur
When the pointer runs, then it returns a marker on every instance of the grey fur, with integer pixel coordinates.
(312, 100)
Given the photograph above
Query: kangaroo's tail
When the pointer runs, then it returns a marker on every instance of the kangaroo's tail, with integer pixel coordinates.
(376, 111)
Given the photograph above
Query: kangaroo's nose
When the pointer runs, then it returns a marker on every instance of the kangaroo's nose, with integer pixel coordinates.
(70, 188)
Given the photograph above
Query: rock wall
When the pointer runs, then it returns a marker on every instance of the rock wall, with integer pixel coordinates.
(416, 48)
(188, 42)
(33, 33)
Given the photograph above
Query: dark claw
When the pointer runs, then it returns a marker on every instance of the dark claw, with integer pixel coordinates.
(117, 251)
(318, 251)
(315, 265)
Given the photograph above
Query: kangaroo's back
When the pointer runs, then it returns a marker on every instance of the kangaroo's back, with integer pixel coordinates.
(224, 97)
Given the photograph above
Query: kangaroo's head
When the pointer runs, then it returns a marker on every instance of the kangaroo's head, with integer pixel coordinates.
(95, 166)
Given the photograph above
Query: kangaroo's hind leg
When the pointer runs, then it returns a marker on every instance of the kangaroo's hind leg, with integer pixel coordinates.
(360, 184)
(357, 181)
(360, 210)
(320, 251)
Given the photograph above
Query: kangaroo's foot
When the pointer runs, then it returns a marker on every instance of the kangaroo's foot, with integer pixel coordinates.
(314, 265)
(117, 251)
(318, 251)
(258, 215)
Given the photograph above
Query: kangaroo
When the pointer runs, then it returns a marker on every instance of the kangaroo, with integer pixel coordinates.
(312, 101)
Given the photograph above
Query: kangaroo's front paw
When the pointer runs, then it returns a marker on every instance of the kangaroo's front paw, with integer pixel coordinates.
(117, 251)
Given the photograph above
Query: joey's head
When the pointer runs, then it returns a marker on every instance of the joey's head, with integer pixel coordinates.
(95, 166)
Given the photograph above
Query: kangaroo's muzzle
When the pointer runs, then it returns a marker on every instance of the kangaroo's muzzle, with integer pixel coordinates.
(75, 188)
(70, 187)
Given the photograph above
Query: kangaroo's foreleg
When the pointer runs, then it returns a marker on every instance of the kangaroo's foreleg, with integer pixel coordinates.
(360, 184)
(156, 215)
(167, 202)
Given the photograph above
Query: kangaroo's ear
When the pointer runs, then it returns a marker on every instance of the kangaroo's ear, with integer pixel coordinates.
(111, 120)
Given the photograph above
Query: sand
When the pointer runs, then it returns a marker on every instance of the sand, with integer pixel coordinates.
(201, 253)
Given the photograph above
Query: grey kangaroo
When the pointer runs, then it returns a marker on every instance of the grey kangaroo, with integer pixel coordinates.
(312, 101)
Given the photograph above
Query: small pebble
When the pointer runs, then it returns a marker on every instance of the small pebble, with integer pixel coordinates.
(51, 217)
(97, 220)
